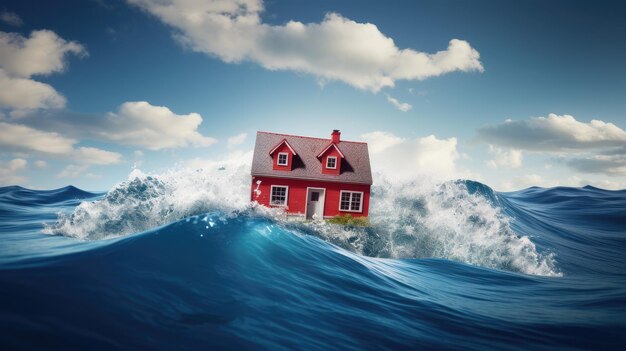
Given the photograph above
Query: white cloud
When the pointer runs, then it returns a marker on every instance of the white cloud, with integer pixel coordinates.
(237, 139)
(378, 141)
(41, 164)
(612, 165)
(24, 93)
(94, 156)
(27, 138)
(505, 158)
(153, 127)
(21, 137)
(232, 160)
(402, 106)
(523, 182)
(554, 134)
(11, 18)
(77, 171)
(436, 155)
(403, 158)
(9, 169)
(337, 48)
(42, 53)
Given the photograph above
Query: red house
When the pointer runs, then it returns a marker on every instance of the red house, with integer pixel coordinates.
(311, 177)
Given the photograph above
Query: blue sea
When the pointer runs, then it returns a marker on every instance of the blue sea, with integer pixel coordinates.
(171, 262)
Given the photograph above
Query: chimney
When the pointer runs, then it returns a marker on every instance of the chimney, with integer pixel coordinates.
(335, 136)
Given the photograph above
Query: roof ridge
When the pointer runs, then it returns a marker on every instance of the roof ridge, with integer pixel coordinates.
(308, 137)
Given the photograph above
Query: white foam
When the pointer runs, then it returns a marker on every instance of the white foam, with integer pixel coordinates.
(426, 219)
(145, 201)
(410, 219)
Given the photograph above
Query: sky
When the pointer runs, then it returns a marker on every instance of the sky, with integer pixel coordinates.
(511, 94)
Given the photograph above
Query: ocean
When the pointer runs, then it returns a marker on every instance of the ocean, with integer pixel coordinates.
(182, 260)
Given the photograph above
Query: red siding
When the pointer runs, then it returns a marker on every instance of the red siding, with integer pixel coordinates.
(331, 152)
(283, 148)
(296, 201)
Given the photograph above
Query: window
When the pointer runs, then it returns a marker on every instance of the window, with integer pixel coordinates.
(279, 195)
(331, 162)
(283, 159)
(315, 196)
(351, 201)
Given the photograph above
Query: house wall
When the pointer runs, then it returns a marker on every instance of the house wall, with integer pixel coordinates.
(296, 200)
(283, 148)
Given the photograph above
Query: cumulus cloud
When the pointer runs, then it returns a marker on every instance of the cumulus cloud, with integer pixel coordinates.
(232, 160)
(523, 182)
(337, 48)
(237, 139)
(77, 171)
(24, 138)
(30, 139)
(406, 158)
(153, 127)
(137, 123)
(553, 134)
(41, 164)
(612, 165)
(94, 156)
(504, 158)
(11, 18)
(379, 141)
(600, 147)
(43, 53)
(9, 170)
(402, 106)
(24, 93)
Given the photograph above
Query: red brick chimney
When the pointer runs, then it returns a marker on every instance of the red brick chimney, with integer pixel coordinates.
(335, 136)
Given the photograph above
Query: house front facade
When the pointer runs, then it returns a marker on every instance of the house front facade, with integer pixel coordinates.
(311, 177)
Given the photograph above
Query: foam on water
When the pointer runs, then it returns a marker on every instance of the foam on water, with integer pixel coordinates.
(410, 219)
(425, 219)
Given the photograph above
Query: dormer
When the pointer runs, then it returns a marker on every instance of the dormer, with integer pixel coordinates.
(282, 156)
(331, 156)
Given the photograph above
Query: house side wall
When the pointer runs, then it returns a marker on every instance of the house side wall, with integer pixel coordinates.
(296, 202)
(276, 166)
(331, 152)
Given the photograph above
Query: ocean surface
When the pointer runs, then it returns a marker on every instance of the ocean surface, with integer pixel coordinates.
(183, 261)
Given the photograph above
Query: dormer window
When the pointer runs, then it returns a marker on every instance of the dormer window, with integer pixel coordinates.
(331, 162)
(283, 159)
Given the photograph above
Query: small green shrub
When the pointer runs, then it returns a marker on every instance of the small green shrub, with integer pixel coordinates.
(350, 221)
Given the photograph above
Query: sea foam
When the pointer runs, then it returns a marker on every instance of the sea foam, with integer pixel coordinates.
(419, 218)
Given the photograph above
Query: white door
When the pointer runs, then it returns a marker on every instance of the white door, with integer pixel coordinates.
(315, 203)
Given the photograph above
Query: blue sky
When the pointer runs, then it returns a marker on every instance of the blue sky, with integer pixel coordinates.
(95, 88)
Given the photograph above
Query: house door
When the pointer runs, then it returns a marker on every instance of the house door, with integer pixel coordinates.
(315, 203)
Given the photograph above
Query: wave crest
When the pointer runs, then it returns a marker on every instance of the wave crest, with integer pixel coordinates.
(461, 220)
(453, 220)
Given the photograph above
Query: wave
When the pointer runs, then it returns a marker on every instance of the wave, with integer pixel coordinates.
(444, 269)
(460, 220)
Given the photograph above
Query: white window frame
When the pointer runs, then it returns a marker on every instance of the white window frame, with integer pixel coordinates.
(286, 195)
(286, 159)
(334, 158)
(351, 192)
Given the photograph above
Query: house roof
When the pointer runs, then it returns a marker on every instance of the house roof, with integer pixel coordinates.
(355, 167)
(328, 147)
(284, 141)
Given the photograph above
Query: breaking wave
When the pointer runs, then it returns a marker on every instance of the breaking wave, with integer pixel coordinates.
(182, 260)
(456, 220)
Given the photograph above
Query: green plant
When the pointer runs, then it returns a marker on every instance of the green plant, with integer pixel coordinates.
(350, 221)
